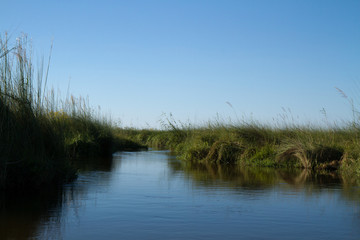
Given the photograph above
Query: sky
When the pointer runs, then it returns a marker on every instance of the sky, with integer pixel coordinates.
(230, 60)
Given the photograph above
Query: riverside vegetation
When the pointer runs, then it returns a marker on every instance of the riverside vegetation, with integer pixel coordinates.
(312, 148)
(41, 137)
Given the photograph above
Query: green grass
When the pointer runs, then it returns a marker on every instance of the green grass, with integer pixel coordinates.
(39, 136)
(259, 145)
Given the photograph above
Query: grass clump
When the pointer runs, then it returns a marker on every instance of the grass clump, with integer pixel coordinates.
(310, 155)
(224, 152)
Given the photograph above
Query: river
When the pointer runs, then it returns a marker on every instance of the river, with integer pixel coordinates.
(152, 195)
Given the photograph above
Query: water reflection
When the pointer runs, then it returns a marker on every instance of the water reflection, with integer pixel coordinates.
(104, 164)
(20, 215)
(138, 195)
(244, 178)
(39, 215)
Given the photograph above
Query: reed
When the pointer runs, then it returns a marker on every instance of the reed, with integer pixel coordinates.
(39, 136)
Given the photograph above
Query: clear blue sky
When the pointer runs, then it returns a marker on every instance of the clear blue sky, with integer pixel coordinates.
(139, 59)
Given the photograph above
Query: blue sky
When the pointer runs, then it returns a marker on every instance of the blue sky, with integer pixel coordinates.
(140, 59)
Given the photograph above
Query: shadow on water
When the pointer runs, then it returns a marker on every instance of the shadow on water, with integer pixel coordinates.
(20, 215)
(94, 164)
(31, 215)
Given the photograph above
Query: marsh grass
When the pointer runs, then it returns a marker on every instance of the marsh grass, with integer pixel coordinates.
(39, 134)
(254, 144)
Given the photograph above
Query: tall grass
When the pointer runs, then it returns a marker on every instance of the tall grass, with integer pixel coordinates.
(291, 146)
(38, 134)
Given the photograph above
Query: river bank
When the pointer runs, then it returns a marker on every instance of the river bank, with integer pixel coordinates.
(325, 149)
(41, 136)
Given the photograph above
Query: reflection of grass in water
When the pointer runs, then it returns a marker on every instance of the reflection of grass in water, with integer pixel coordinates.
(21, 219)
(232, 176)
(241, 179)
(44, 212)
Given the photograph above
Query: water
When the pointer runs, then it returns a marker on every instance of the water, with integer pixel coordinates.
(151, 195)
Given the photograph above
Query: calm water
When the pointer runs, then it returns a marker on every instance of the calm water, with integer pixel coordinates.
(151, 195)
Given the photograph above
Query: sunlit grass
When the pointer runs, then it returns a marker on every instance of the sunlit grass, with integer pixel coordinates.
(254, 144)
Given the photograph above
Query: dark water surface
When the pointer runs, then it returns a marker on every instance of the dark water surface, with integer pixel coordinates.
(151, 195)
